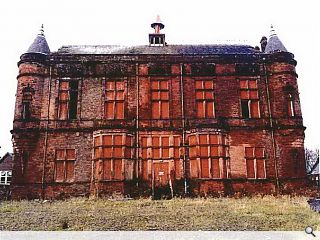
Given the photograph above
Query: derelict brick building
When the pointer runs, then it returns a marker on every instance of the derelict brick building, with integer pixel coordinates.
(195, 119)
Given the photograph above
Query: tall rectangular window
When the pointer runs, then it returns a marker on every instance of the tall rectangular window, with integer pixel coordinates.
(109, 153)
(114, 99)
(255, 161)
(290, 106)
(64, 165)
(68, 99)
(205, 98)
(160, 99)
(249, 99)
(208, 157)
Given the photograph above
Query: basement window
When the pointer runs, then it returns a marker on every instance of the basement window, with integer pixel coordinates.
(255, 162)
(64, 165)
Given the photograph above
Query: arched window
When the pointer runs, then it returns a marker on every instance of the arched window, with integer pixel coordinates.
(289, 93)
(290, 105)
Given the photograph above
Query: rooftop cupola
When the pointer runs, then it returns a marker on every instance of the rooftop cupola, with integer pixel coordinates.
(157, 38)
(40, 44)
(274, 44)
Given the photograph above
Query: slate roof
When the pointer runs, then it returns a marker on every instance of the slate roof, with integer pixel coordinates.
(169, 49)
(274, 44)
(6, 162)
(39, 45)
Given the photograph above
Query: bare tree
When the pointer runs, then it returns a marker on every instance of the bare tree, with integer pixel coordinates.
(312, 160)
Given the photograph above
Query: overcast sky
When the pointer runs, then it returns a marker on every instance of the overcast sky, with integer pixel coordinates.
(186, 22)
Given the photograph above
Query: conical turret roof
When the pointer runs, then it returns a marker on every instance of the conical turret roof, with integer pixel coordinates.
(40, 44)
(274, 44)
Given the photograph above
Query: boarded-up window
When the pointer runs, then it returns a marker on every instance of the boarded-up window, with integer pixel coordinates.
(109, 153)
(208, 157)
(114, 99)
(205, 98)
(68, 99)
(160, 99)
(249, 99)
(160, 148)
(64, 165)
(255, 161)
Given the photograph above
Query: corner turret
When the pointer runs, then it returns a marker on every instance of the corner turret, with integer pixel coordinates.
(274, 44)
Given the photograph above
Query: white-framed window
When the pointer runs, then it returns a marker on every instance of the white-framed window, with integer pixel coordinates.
(5, 177)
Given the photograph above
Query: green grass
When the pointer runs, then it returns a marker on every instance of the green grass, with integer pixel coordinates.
(256, 213)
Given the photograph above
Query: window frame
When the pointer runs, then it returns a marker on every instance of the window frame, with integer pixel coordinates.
(65, 161)
(255, 159)
(162, 99)
(203, 90)
(221, 147)
(7, 176)
(102, 160)
(71, 101)
(290, 105)
(115, 101)
(147, 153)
(249, 97)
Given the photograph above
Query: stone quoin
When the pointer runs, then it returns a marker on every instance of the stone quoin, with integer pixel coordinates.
(157, 119)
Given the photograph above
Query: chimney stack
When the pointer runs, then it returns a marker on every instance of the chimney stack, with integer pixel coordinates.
(263, 43)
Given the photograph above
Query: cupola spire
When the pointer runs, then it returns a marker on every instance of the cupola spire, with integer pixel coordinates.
(274, 44)
(40, 44)
(157, 38)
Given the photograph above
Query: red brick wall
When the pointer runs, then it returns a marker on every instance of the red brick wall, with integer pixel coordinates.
(40, 141)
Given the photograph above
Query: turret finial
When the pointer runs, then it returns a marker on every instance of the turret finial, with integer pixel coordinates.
(272, 31)
(41, 31)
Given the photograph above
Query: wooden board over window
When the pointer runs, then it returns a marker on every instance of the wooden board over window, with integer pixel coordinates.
(249, 98)
(208, 156)
(255, 162)
(68, 99)
(160, 148)
(205, 98)
(64, 165)
(114, 99)
(160, 99)
(110, 152)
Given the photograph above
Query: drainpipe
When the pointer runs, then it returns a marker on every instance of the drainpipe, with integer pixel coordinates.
(46, 136)
(183, 130)
(272, 129)
(136, 162)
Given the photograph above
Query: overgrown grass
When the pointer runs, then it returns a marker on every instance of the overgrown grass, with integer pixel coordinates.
(256, 213)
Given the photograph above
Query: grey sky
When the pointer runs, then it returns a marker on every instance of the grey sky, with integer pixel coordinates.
(186, 22)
